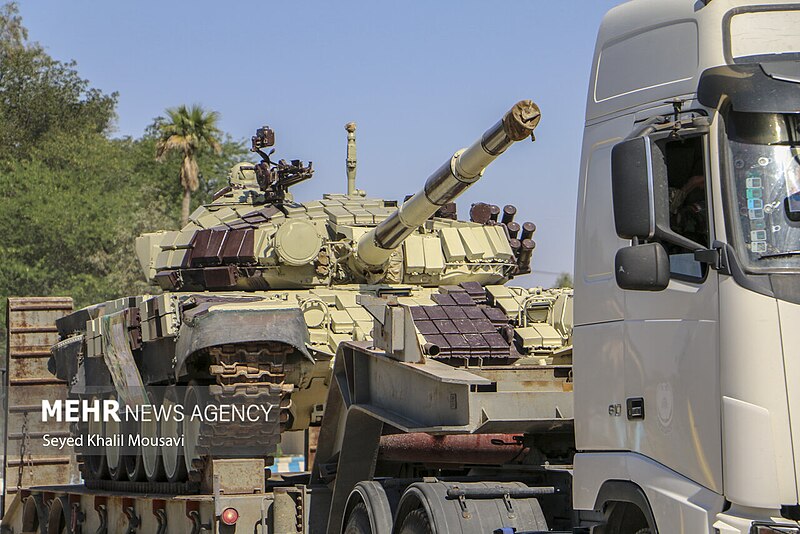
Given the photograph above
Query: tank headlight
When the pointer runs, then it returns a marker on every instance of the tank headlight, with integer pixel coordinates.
(229, 516)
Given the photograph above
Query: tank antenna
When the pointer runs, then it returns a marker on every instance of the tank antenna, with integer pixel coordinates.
(351, 158)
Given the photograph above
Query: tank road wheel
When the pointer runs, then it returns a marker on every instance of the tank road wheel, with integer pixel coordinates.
(193, 451)
(132, 455)
(112, 432)
(95, 460)
(152, 460)
(172, 455)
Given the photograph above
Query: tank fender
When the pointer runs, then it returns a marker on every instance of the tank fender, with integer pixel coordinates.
(229, 326)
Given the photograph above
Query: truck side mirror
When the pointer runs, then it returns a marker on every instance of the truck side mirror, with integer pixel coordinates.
(640, 193)
(632, 189)
(642, 267)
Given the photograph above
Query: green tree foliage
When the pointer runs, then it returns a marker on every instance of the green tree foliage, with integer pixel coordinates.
(188, 131)
(73, 199)
(12, 33)
(41, 98)
(564, 280)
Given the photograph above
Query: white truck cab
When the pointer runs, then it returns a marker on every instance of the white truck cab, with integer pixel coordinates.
(687, 270)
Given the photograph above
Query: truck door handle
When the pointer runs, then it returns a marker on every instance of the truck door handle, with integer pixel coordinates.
(635, 408)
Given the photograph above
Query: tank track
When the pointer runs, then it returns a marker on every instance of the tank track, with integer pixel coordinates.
(251, 373)
(245, 374)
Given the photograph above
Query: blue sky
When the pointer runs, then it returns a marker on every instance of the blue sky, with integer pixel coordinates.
(421, 79)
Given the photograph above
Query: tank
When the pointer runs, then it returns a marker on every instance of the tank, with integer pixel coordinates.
(256, 293)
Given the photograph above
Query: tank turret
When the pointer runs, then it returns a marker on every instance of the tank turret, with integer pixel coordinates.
(454, 177)
(254, 236)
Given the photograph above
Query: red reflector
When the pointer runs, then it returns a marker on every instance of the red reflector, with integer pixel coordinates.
(229, 516)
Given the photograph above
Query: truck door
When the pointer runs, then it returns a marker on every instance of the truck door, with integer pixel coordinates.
(671, 336)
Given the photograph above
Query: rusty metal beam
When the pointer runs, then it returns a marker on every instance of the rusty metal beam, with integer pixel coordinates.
(474, 449)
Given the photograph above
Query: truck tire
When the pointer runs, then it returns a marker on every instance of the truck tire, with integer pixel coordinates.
(416, 522)
(358, 521)
(368, 509)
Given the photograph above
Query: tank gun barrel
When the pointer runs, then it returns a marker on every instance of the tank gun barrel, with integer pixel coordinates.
(454, 177)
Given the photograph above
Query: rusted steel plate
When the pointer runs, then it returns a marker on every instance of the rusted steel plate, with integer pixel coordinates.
(40, 303)
(34, 448)
(31, 333)
(28, 367)
(16, 419)
(33, 476)
(31, 394)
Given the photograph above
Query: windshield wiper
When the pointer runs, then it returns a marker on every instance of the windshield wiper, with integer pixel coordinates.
(780, 254)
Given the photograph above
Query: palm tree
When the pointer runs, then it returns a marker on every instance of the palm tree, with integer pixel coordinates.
(188, 131)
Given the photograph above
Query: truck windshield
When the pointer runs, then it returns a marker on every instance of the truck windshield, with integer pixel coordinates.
(764, 162)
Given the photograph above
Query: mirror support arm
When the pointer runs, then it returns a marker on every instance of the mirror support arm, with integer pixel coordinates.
(715, 257)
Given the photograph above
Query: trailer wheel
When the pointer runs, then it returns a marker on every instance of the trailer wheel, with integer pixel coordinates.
(30, 515)
(416, 522)
(57, 521)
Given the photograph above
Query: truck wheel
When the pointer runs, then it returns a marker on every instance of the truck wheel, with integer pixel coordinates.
(358, 521)
(368, 509)
(416, 522)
